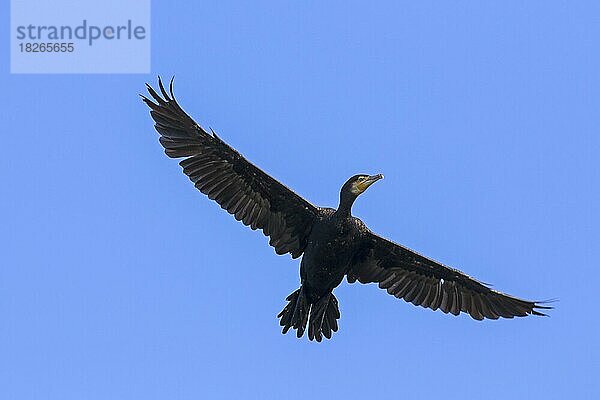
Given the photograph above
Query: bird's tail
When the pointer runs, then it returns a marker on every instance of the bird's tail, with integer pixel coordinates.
(323, 318)
(320, 316)
(295, 313)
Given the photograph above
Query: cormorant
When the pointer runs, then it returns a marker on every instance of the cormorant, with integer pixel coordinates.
(333, 244)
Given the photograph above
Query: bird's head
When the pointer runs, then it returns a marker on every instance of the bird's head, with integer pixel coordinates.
(354, 187)
(359, 183)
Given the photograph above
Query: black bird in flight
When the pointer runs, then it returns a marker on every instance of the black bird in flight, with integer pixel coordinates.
(333, 244)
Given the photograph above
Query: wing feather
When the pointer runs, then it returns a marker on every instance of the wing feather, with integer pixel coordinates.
(225, 176)
(421, 281)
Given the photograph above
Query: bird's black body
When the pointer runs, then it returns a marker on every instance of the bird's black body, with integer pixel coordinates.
(328, 255)
(333, 244)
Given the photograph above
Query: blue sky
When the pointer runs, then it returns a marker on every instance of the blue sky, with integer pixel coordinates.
(119, 280)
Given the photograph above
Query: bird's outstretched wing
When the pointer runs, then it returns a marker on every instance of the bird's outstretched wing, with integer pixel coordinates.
(427, 283)
(223, 174)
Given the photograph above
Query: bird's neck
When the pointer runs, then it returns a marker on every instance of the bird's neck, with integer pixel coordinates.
(345, 207)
